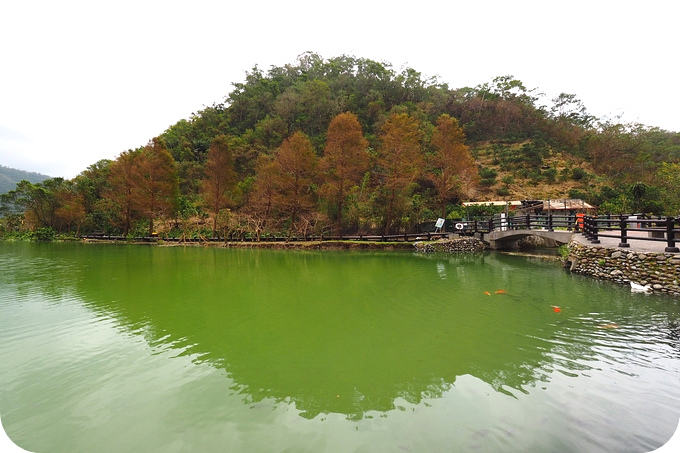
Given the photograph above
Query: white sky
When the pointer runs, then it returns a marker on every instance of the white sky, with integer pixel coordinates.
(82, 81)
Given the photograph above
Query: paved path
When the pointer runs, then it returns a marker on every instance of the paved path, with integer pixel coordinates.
(635, 246)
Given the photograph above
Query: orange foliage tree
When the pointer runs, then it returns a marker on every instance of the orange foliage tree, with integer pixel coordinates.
(260, 203)
(71, 210)
(121, 185)
(156, 184)
(400, 162)
(344, 163)
(296, 163)
(219, 184)
(452, 168)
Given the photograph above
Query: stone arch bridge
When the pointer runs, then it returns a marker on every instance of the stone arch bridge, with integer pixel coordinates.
(509, 239)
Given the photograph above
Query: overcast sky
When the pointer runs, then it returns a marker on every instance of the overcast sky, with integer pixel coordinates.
(82, 81)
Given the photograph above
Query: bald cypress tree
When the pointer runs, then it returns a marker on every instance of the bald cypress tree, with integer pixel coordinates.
(400, 162)
(452, 168)
(155, 181)
(219, 184)
(344, 163)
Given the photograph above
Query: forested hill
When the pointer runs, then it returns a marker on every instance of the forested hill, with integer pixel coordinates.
(525, 146)
(349, 144)
(9, 177)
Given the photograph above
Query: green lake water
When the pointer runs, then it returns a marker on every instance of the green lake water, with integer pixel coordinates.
(113, 348)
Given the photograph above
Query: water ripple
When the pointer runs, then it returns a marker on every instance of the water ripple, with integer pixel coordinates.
(213, 345)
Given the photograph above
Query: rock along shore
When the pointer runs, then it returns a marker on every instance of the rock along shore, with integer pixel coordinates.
(462, 245)
(659, 272)
(299, 245)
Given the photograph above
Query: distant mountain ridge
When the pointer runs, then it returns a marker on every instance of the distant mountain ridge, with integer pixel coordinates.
(9, 177)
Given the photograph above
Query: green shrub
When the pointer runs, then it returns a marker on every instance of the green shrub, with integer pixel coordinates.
(508, 179)
(550, 174)
(487, 176)
(563, 251)
(579, 194)
(523, 173)
(578, 174)
(43, 234)
(487, 173)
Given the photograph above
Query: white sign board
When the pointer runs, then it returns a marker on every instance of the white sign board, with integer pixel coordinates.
(440, 223)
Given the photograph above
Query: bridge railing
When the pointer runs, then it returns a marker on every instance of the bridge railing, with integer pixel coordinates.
(659, 229)
(548, 222)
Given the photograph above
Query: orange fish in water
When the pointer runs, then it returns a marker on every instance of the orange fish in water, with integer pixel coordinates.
(487, 293)
(556, 309)
(500, 291)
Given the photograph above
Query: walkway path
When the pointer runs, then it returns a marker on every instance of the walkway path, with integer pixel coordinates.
(635, 246)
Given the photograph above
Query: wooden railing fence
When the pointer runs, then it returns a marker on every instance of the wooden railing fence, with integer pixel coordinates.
(659, 229)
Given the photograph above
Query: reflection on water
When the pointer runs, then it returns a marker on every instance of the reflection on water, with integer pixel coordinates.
(403, 351)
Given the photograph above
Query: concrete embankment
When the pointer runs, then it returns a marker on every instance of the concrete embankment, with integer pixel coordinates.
(659, 272)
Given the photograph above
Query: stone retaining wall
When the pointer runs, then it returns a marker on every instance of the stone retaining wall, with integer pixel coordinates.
(462, 245)
(659, 271)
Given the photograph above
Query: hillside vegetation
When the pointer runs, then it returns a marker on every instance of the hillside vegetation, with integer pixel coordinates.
(352, 145)
(10, 177)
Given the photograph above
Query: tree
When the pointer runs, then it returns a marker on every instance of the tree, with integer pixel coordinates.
(400, 162)
(452, 167)
(570, 109)
(219, 183)
(92, 184)
(306, 106)
(260, 200)
(71, 210)
(344, 163)
(668, 177)
(629, 152)
(638, 191)
(39, 202)
(507, 87)
(296, 163)
(155, 187)
(122, 184)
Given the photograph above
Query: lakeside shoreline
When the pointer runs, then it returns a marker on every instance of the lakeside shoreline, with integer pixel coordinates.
(658, 272)
(649, 272)
(290, 245)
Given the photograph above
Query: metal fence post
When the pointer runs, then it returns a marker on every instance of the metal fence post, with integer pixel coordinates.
(624, 234)
(593, 235)
(586, 226)
(670, 235)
